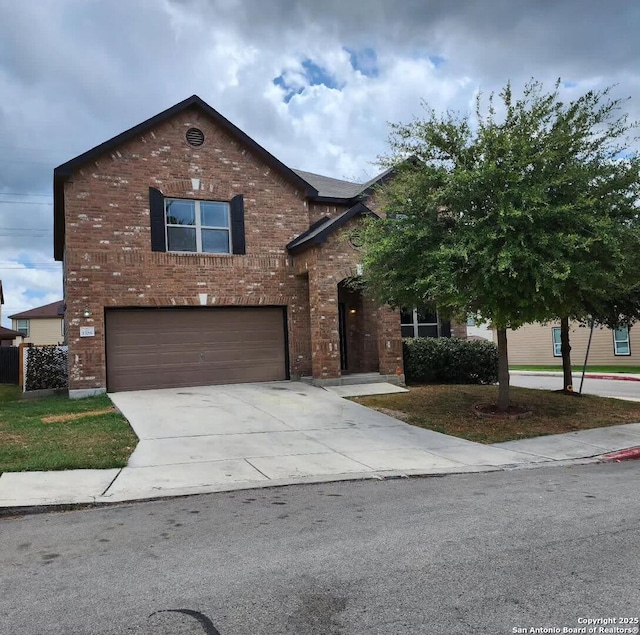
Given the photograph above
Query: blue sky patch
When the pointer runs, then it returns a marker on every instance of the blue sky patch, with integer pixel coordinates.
(314, 74)
(569, 84)
(25, 260)
(365, 60)
(34, 295)
(289, 91)
(317, 76)
(437, 60)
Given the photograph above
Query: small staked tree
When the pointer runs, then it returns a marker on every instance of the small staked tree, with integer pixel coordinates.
(516, 214)
(593, 174)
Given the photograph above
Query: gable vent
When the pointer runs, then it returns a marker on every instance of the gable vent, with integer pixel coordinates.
(195, 137)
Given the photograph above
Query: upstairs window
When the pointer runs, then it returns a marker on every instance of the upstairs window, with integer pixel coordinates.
(190, 226)
(621, 341)
(22, 326)
(198, 226)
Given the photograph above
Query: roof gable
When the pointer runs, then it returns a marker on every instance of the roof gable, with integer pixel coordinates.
(330, 188)
(64, 171)
(322, 229)
(315, 186)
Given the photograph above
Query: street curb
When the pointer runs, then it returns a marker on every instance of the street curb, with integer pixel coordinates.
(624, 455)
(550, 373)
(18, 511)
(617, 377)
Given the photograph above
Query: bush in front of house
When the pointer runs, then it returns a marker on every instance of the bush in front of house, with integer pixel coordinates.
(450, 360)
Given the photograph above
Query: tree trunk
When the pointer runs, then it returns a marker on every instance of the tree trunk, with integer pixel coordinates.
(565, 349)
(503, 371)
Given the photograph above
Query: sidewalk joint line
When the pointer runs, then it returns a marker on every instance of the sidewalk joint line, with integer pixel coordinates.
(258, 470)
(112, 481)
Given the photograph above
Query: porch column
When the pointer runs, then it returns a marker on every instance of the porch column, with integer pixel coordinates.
(325, 336)
(390, 342)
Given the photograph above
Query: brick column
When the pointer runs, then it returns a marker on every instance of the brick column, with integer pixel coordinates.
(370, 357)
(458, 330)
(390, 342)
(325, 337)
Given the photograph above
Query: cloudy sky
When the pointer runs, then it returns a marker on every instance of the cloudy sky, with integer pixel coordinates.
(314, 81)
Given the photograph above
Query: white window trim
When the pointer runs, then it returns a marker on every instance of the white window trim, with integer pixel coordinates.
(617, 342)
(554, 343)
(415, 324)
(198, 227)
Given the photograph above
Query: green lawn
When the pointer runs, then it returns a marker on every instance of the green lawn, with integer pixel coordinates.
(448, 409)
(577, 368)
(99, 440)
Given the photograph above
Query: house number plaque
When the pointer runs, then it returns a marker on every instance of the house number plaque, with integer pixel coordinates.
(87, 331)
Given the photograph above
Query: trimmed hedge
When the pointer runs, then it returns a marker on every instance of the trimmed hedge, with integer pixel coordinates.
(450, 360)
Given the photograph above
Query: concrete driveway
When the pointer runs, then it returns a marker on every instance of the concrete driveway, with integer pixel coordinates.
(276, 432)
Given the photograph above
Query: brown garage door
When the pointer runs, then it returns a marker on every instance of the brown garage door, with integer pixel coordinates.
(166, 348)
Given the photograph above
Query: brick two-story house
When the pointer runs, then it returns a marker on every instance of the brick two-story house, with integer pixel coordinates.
(193, 256)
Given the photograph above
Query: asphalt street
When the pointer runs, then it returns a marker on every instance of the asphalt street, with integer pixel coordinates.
(481, 553)
(603, 387)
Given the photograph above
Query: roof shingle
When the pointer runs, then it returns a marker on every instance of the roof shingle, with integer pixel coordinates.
(53, 310)
(8, 334)
(330, 187)
(319, 231)
(338, 188)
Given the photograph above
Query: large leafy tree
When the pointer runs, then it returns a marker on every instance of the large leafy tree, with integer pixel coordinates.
(520, 212)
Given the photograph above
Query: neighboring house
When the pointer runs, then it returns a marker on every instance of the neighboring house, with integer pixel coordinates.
(477, 330)
(192, 256)
(42, 325)
(7, 336)
(537, 344)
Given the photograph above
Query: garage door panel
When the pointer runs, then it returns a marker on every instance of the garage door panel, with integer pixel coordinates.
(163, 348)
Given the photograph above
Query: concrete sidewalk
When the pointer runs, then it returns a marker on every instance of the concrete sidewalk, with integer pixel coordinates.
(298, 434)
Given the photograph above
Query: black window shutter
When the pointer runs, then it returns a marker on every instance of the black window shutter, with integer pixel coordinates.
(156, 211)
(237, 225)
(445, 329)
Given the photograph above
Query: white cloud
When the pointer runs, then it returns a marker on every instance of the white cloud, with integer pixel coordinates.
(25, 288)
(102, 66)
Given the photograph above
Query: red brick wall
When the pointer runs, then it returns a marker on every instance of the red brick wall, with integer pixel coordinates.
(458, 330)
(319, 210)
(109, 261)
(328, 264)
(389, 342)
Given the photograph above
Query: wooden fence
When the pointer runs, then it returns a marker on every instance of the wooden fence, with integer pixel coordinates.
(9, 364)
